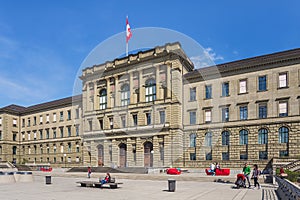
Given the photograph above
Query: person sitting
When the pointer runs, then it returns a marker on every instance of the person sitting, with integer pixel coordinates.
(212, 169)
(106, 179)
(282, 173)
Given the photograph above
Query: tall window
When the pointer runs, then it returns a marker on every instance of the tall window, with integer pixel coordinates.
(77, 130)
(243, 86)
(263, 136)
(283, 135)
(243, 137)
(208, 92)
(111, 122)
(61, 115)
(135, 119)
(283, 80)
(193, 140)
(225, 138)
(162, 116)
(54, 133)
(69, 131)
(262, 110)
(125, 95)
(262, 83)
(123, 121)
(148, 118)
(193, 117)
(103, 99)
(69, 114)
(208, 139)
(150, 90)
(61, 132)
(41, 134)
(47, 134)
(243, 112)
(283, 109)
(207, 116)
(193, 94)
(225, 89)
(225, 114)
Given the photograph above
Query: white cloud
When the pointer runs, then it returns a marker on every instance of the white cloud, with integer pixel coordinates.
(207, 58)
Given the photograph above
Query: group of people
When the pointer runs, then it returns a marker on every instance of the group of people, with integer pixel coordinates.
(255, 175)
(214, 167)
(106, 179)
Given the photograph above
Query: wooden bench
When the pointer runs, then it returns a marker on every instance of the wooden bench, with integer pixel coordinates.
(112, 184)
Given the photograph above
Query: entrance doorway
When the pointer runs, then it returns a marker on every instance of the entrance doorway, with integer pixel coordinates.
(148, 154)
(123, 154)
(100, 155)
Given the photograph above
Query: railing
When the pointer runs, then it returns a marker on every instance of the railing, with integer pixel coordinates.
(287, 189)
(295, 165)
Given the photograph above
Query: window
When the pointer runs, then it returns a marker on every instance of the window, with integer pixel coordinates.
(263, 136)
(193, 137)
(225, 138)
(192, 156)
(54, 133)
(125, 95)
(77, 148)
(283, 135)
(283, 153)
(61, 116)
(208, 156)
(54, 159)
(69, 147)
(283, 109)
(123, 121)
(28, 135)
(14, 150)
(90, 125)
(54, 148)
(207, 116)
(0, 135)
(14, 137)
(225, 114)
(61, 132)
(69, 131)
(262, 111)
(283, 80)
(23, 122)
(148, 118)
(103, 99)
(262, 83)
(243, 156)
(101, 124)
(225, 156)
(193, 94)
(192, 117)
(47, 118)
(77, 113)
(243, 86)
(225, 89)
(34, 135)
(47, 134)
(34, 120)
(77, 130)
(111, 122)
(69, 114)
(41, 119)
(41, 134)
(263, 155)
(208, 92)
(135, 119)
(14, 122)
(243, 137)
(54, 117)
(162, 116)
(61, 148)
(243, 112)
(161, 150)
(208, 139)
(28, 122)
(150, 90)
(0, 121)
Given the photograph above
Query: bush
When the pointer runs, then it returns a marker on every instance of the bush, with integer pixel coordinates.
(292, 176)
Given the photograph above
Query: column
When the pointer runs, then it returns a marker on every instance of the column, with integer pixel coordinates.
(117, 95)
(96, 97)
(156, 153)
(108, 90)
(157, 81)
(139, 153)
(168, 80)
(129, 153)
(141, 88)
(132, 96)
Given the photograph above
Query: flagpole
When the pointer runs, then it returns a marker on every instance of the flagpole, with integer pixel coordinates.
(126, 48)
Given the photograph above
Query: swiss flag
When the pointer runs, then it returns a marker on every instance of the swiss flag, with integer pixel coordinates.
(128, 31)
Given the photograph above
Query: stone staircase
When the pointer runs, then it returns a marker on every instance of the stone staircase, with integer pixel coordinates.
(293, 166)
(136, 170)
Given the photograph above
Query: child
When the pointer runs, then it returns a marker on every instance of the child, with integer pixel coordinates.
(255, 175)
(89, 172)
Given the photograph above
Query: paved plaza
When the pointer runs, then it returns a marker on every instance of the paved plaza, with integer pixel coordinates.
(151, 186)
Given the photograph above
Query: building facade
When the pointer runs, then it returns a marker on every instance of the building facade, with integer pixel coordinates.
(153, 109)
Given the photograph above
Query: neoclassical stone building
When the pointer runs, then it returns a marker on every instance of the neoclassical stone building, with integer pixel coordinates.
(154, 109)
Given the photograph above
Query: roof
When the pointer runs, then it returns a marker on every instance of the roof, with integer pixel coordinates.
(247, 65)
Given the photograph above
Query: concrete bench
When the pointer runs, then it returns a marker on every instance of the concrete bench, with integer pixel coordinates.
(111, 185)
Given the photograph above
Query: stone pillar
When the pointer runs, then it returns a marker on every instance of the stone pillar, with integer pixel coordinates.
(156, 153)
(96, 97)
(157, 81)
(108, 90)
(132, 96)
(115, 153)
(141, 88)
(139, 153)
(168, 81)
(106, 159)
(129, 154)
(117, 91)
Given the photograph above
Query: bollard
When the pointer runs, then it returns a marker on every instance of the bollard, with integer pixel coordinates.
(172, 185)
(48, 180)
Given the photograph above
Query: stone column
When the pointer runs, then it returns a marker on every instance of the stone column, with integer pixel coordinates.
(115, 153)
(139, 153)
(96, 96)
(117, 91)
(168, 80)
(108, 93)
(129, 154)
(157, 81)
(132, 96)
(156, 153)
(141, 88)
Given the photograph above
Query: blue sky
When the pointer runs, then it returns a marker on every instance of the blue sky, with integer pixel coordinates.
(43, 43)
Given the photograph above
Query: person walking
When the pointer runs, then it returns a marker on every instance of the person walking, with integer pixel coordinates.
(247, 171)
(89, 172)
(255, 175)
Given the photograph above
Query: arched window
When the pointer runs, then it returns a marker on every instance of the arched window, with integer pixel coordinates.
(283, 135)
(225, 138)
(243, 137)
(103, 99)
(150, 87)
(208, 139)
(193, 140)
(263, 136)
(125, 95)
